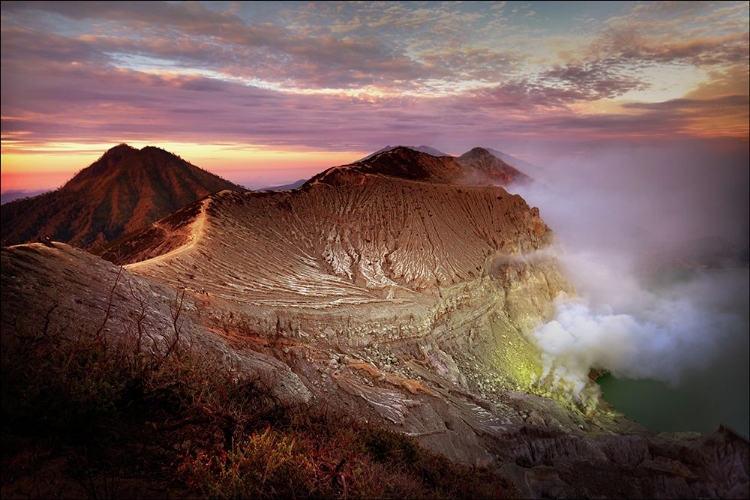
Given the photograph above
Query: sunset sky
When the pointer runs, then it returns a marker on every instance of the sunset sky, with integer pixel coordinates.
(271, 92)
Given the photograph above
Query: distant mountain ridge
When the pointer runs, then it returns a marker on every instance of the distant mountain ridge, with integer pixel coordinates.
(498, 171)
(422, 149)
(127, 189)
(17, 194)
(390, 169)
(524, 166)
(285, 187)
(124, 190)
(475, 167)
(485, 165)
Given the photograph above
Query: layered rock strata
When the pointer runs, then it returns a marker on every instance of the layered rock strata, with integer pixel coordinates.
(391, 294)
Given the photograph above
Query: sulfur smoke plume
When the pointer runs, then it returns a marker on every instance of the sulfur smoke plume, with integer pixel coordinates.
(655, 240)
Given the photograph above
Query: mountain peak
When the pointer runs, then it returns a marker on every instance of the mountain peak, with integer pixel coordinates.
(124, 190)
(476, 167)
(400, 151)
(478, 152)
(421, 149)
(410, 163)
(487, 166)
(156, 149)
(117, 152)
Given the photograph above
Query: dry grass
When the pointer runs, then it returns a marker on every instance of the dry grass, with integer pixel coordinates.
(110, 422)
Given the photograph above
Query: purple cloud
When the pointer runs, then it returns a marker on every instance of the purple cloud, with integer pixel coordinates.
(256, 74)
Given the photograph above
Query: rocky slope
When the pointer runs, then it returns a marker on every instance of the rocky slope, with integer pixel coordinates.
(422, 149)
(476, 167)
(482, 166)
(393, 293)
(125, 190)
(547, 449)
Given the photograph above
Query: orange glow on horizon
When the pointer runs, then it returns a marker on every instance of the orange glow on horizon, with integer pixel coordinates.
(50, 166)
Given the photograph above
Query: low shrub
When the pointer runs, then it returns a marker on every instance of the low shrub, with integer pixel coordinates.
(192, 424)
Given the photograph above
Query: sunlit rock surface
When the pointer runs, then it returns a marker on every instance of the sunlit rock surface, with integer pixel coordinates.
(392, 293)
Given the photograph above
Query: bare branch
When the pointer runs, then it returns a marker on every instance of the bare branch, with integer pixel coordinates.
(176, 325)
(139, 319)
(109, 305)
(48, 316)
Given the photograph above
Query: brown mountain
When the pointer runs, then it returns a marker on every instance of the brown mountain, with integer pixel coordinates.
(483, 166)
(404, 193)
(122, 191)
(476, 167)
(388, 290)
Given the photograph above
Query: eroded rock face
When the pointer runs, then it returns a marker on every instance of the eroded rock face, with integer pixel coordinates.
(365, 237)
(404, 301)
(553, 465)
(71, 293)
(454, 276)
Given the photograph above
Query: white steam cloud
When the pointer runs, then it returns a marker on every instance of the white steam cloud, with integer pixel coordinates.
(613, 212)
(663, 341)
